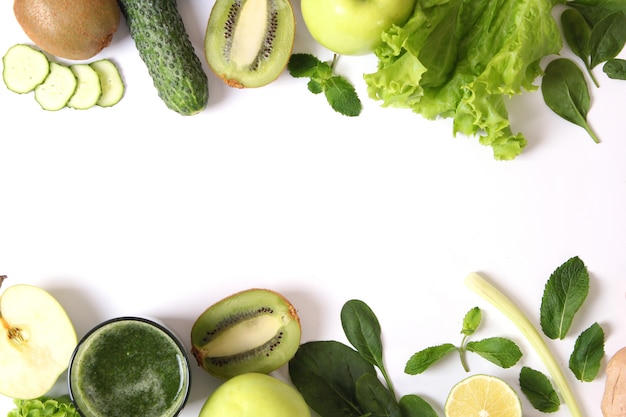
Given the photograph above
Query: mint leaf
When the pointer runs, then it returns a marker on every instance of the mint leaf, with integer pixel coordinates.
(315, 86)
(498, 350)
(564, 294)
(422, 360)
(588, 352)
(342, 96)
(539, 390)
(471, 321)
(303, 65)
(339, 92)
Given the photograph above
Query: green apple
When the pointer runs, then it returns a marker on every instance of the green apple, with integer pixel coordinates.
(353, 27)
(255, 395)
(37, 340)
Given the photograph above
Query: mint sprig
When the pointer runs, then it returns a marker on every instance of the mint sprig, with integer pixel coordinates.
(339, 92)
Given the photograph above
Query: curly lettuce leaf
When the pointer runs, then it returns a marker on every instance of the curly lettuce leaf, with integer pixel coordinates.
(493, 53)
(44, 406)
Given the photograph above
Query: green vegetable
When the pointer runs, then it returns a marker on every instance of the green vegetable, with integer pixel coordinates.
(607, 38)
(412, 405)
(111, 82)
(596, 10)
(615, 68)
(88, 88)
(586, 358)
(490, 293)
(565, 91)
(338, 381)
(164, 45)
(362, 330)
(563, 295)
(339, 93)
(325, 373)
(57, 89)
(374, 398)
(498, 350)
(24, 68)
(539, 390)
(44, 406)
(491, 51)
(577, 32)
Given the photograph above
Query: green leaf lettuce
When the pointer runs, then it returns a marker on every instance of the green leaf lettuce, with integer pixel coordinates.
(496, 49)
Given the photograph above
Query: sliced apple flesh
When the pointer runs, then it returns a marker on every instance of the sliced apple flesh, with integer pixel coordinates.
(37, 340)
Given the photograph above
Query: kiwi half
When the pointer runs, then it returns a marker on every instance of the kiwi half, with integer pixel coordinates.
(248, 43)
(255, 330)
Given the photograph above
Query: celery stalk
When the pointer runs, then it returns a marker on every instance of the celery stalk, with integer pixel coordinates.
(490, 293)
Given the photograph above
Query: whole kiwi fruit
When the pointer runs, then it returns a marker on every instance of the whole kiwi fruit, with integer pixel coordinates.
(69, 29)
(256, 330)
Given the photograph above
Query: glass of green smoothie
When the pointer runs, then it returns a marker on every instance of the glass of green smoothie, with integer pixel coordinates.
(129, 367)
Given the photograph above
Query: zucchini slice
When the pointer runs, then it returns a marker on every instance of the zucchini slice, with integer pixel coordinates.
(24, 68)
(111, 82)
(57, 89)
(88, 89)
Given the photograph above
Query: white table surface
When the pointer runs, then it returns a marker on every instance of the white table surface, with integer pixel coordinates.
(137, 210)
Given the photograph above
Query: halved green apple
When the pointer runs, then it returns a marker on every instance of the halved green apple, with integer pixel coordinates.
(37, 340)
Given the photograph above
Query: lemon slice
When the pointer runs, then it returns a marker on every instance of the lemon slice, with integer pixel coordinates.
(483, 396)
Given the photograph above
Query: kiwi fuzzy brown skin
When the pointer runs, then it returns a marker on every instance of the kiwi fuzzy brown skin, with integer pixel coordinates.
(69, 29)
(255, 330)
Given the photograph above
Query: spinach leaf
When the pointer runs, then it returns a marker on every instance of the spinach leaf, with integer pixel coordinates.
(539, 390)
(565, 92)
(607, 38)
(498, 350)
(577, 32)
(588, 352)
(325, 373)
(413, 405)
(422, 360)
(596, 10)
(374, 398)
(615, 68)
(362, 329)
(563, 295)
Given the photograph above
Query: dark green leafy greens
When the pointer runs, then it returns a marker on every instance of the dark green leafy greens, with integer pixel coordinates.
(577, 33)
(501, 351)
(596, 10)
(615, 68)
(339, 381)
(563, 295)
(326, 372)
(362, 330)
(607, 38)
(462, 59)
(565, 91)
(339, 92)
(586, 359)
(539, 390)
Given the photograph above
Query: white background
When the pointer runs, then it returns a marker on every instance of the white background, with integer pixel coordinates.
(137, 210)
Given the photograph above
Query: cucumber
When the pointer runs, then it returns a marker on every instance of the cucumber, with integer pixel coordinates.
(57, 89)
(24, 68)
(88, 89)
(164, 45)
(111, 82)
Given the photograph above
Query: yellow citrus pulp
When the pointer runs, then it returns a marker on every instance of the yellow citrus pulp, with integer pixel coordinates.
(483, 396)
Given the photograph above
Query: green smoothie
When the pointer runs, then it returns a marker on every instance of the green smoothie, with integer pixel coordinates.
(129, 368)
